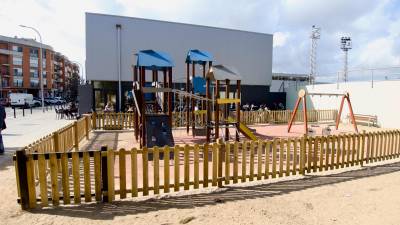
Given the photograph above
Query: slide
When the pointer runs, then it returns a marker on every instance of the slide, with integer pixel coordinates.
(244, 130)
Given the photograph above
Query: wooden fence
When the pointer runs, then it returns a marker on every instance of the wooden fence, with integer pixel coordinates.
(119, 121)
(64, 139)
(106, 174)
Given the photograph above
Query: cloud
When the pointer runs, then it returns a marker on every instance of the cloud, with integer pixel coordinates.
(280, 39)
(373, 25)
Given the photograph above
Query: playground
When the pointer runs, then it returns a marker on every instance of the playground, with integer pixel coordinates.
(192, 138)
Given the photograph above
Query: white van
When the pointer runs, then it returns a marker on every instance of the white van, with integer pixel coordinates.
(21, 99)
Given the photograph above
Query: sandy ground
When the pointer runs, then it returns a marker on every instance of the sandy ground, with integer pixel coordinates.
(368, 195)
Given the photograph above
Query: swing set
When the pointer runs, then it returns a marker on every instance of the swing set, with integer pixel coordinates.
(302, 96)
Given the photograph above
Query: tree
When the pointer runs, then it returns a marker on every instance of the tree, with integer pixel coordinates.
(71, 87)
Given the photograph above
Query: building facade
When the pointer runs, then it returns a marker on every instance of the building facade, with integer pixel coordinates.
(112, 41)
(20, 68)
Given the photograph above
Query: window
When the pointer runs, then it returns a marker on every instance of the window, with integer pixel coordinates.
(17, 48)
(17, 60)
(44, 74)
(34, 52)
(44, 54)
(34, 73)
(33, 62)
(18, 82)
(34, 82)
(18, 72)
(44, 63)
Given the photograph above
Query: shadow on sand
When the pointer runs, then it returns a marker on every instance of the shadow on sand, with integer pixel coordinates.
(102, 211)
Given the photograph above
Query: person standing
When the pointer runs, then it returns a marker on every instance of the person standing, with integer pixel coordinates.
(2, 127)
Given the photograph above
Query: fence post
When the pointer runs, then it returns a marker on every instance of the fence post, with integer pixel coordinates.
(220, 158)
(94, 124)
(23, 111)
(22, 178)
(56, 142)
(76, 138)
(104, 175)
(87, 127)
(15, 115)
(302, 153)
(31, 110)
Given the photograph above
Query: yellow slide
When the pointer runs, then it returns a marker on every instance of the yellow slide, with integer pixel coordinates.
(244, 130)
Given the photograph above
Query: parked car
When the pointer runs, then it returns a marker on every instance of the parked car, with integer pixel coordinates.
(59, 100)
(50, 101)
(37, 101)
(21, 100)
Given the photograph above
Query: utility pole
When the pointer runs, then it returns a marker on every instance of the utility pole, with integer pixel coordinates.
(345, 45)
(315, 35)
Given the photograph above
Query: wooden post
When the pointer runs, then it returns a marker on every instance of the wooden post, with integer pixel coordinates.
(340, 112)
(135, 115)
(293, 114)
(94, 122)
(104, 175)
(216, 112)
(22, 178)
(87, 127)
(226, 109)
(347, 96)
(208, 112)
(237, 108)
(187, 97)
(305, 114)
(76, 138)
(57, 142)
(220, 159)
(193, 101)
(170, 96)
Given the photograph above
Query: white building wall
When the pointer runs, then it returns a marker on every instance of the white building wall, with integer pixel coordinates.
(382, 100)
(249, 52)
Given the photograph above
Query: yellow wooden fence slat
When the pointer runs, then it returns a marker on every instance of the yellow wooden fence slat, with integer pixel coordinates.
(205, 165)
(156, 167)
(235, 161)
(186, 168)
(145, 165)
(122, 173)
(134, 171)
(196, 166)
(244, 161)
(97, 175)
(166, 169)
(43, 180)
(176, 168)
(227, 162)
(76, 177)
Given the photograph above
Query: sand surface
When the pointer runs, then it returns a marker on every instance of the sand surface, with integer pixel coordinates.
(368, 195)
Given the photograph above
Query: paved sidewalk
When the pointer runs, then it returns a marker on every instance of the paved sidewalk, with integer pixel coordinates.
(22, 131)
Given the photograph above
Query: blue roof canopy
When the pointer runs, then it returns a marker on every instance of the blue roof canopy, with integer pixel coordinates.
(151, 59)
(197, 56)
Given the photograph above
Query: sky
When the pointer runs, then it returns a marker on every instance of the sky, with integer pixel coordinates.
(373, 25)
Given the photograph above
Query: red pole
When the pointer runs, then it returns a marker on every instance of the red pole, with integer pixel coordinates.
(351, 113)
(237, 108)
(340, 112)
(293, 114)
(193, 101)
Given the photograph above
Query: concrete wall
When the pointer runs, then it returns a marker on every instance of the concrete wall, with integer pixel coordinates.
(381, 100)
(250, 53)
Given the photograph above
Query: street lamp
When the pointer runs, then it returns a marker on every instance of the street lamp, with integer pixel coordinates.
(41, 62)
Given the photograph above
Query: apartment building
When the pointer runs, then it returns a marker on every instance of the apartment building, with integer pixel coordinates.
(20, 70)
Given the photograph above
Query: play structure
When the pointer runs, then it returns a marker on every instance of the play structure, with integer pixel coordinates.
(302, 96)
(196, 86)
(218, 80)
(153, 99)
